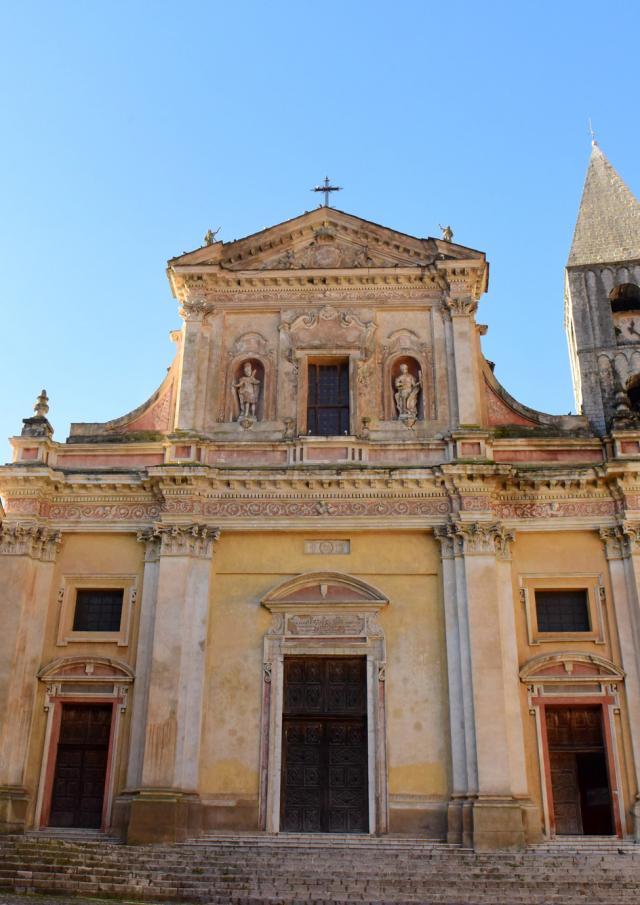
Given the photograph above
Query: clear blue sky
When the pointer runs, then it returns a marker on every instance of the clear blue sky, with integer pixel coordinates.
(129, 128)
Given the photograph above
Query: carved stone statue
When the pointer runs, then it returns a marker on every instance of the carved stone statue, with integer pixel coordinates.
(248, 390)
(407, 392)
(447, 233)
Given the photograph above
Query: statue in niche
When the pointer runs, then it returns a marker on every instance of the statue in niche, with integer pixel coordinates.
(407, 391)
(247, 388)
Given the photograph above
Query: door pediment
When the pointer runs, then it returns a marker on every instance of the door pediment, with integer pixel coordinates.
(324, 591)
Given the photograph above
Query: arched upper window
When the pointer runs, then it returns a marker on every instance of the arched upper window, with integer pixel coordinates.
(625, 297)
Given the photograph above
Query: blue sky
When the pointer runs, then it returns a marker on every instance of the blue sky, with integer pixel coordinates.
(130, 128)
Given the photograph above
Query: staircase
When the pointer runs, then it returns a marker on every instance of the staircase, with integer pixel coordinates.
(253, 869)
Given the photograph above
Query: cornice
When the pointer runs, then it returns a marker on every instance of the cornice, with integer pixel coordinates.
(250, 496)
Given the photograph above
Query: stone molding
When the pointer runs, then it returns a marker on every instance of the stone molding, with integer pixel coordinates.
(474, 539)
(178, 540)
(35, 541)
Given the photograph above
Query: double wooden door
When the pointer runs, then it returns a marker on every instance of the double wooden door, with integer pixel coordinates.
(81, 765)
(582, 801)
(324, 746)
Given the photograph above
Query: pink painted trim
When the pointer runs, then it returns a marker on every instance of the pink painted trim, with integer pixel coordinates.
(264, 753)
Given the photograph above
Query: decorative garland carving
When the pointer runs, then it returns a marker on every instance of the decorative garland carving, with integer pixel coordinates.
(555, 509)
(239, 508)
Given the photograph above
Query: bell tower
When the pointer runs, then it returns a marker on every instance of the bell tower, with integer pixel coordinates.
(602, 300)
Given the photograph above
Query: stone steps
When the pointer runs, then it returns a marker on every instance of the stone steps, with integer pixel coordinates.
(252, 869)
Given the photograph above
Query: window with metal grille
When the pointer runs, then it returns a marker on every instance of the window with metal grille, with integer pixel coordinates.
(562, 611)
(98, 609)
(328, 399)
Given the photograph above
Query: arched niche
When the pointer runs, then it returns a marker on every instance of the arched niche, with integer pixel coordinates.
(323, 614)
(262, 367)
(633, 392)
(392, 370)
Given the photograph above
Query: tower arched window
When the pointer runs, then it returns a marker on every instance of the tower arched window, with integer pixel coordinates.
(625, 297)
(633, 392)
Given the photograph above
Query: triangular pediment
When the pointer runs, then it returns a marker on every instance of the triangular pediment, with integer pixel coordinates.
(325, 238)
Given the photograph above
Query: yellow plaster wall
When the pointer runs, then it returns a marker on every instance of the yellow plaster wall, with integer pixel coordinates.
(90, 555)
(402, 566)
(555, 554)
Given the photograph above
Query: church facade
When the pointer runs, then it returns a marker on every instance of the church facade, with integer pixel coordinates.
(331, 576)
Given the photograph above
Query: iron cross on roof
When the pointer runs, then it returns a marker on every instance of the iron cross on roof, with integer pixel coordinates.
(327, 188)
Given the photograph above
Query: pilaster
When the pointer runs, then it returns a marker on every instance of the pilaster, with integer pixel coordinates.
(622, 549)
(165, 761)
(190, 407)
(487, 732)
(27, 555)
(462, 307)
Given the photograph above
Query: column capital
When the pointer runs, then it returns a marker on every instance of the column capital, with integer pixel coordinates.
(178, 540)
(195, 310)
(621, 540)
(459, 538)
(464, 306)
(35, 541)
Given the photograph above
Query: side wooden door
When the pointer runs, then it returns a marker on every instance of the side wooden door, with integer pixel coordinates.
(81, 765)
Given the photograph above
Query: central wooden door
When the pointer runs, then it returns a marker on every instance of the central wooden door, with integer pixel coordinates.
(324, 746)
(81, 766)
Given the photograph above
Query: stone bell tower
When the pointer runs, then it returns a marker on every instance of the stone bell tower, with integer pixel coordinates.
(602, 300)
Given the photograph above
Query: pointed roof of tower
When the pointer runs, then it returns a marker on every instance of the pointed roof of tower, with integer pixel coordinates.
(608, 225)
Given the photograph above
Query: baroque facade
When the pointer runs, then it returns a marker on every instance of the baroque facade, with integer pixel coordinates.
(331, 576)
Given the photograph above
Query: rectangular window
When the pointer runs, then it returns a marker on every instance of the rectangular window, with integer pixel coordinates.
(564, 610)
(328, 399)
(98, 609)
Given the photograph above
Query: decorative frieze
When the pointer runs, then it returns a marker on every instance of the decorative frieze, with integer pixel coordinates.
(555, 508)
(35, 541)
(239, 508)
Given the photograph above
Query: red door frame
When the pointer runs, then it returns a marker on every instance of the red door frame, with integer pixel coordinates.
(52, 753)
(601, 702)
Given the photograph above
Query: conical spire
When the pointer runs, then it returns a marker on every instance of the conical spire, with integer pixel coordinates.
(608, 225)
